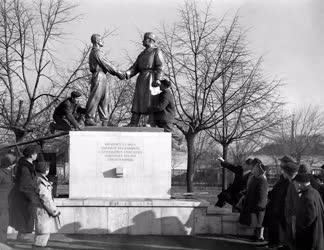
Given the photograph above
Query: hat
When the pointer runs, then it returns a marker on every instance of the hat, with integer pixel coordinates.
(75, 94)
(31, 149)
(303, 175)
(290, 168)
(150, 35)
(286, 159)
(7, 160)
(166, 83)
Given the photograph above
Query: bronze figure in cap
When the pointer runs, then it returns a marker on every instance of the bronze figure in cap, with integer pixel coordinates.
(149, 66)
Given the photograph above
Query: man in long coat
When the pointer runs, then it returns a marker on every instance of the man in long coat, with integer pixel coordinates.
(276, 212)
(99, 91)
(23, 196)
(149, 65)
(309, 216)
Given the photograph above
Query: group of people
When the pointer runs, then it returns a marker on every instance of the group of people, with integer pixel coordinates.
(152, 98)
(26, 201)
(292, 212)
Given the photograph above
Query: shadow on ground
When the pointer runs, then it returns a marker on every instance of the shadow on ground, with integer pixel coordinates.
(139, 242)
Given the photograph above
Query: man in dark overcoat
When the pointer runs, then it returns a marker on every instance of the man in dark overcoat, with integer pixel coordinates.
(310, 215)
(149, 66)
(275, 215)
(66, 114)
(164, 108)
(23, 197)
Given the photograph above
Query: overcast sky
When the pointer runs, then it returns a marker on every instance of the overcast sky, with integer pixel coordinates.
(288, 33)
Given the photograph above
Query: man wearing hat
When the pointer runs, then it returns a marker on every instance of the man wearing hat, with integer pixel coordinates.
(149, 66)
(310, 214)
(67, 114)
(99, 90)
(6, 183)
(275, 217)
(164, 109)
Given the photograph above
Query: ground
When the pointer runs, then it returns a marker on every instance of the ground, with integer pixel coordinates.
(139, 242)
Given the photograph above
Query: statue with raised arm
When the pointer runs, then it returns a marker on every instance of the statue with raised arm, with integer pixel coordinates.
(99, 91)
(149, 66)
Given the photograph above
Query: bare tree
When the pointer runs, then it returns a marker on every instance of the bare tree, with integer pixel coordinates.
(301, 133)
(31, 77)
(240, 150)
(255, 100)
(200, 52)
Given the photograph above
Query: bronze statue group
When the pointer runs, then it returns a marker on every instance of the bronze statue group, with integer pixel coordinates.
(292, 212)
(152, 98)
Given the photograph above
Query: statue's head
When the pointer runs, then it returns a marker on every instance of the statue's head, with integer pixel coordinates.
(148, 39)
(96, 40)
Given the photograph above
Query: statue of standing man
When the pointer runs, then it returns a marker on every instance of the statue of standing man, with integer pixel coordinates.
(99, 91)
(149, 65)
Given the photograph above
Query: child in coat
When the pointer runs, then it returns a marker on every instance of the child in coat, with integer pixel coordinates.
(47, 214)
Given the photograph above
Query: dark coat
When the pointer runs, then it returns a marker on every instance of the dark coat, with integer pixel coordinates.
(5, 186)
(149, 65)
(255, 200)
(309, 223)
(275, 210)
(234, 192)
(23, 198)
(68, 110)
(164, 109)
(319, 187)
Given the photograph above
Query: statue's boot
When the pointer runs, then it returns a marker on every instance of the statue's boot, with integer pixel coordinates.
(107, 123)
(90, 122)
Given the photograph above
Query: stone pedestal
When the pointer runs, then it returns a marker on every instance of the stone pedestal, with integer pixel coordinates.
(120, 163)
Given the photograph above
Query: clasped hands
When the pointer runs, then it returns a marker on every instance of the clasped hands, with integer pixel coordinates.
(121, 75)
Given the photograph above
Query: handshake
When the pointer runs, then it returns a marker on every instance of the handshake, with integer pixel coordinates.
(121, 75)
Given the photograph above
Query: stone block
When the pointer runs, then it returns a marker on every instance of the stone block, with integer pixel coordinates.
(118, 222)
(144, 220)
(206, 224)
(177, 220)
(91, 220)
(95, 156)
(67, 220)
(229, 227)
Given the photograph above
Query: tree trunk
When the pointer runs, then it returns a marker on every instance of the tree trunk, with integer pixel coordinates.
(224, 180)
(190, 138)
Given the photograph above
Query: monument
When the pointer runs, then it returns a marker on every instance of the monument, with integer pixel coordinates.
(120, 177)
(120, 163)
